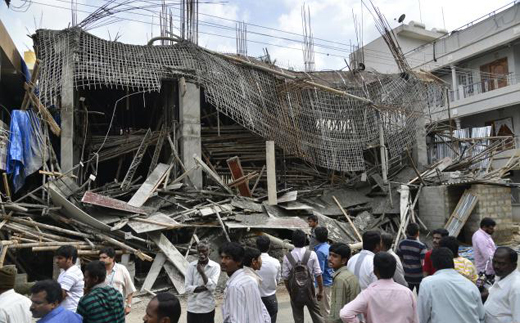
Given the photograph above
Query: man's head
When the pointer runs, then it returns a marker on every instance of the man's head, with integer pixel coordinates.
(372, 241)
(312, 220)
(203, 252)
(95, 273)
(504, 261)
(451, 243)
(163, 308)
(437, 235)
(298, 238)
(488, 225)
(252, 258)
(412, 230)
(66, 257)
(384, 265)
(7, 278)
(45, 296)
(263, 243)
(322, 234)
(231, 257)
(442, 258)
(339, 254)
(386, 241)
(107, 256)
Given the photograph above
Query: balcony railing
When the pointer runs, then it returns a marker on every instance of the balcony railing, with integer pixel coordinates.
(483, 86)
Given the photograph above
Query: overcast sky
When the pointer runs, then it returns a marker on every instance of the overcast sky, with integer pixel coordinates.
(332, 23)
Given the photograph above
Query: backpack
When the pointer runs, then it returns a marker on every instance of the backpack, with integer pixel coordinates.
(301, 282)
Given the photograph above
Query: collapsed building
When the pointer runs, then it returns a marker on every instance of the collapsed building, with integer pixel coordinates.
(152, 148)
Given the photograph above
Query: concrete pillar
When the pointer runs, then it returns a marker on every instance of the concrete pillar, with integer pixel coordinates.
(420, 151)
(189, 120)
(454, 83)
(457, 124)
(67, 118)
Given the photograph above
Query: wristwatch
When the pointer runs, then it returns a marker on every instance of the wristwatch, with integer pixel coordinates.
(129, 305)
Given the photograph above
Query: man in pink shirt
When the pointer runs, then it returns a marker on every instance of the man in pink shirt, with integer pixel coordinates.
(383, 301)
(484, 246)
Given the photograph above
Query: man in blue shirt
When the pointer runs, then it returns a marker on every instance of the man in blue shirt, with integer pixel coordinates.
(322, 251)
(46, 298)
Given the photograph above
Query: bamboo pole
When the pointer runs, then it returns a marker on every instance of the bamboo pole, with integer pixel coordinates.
(348, 218)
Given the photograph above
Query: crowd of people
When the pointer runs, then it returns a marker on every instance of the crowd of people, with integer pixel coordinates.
(102, 293)
(376, 285)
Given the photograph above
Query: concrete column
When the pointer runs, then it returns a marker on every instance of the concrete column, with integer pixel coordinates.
(457, 123)
(420, 151)
(454, 83)
(189, 120)
(68, 157)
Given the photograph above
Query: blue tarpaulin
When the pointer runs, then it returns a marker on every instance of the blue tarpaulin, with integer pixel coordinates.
(24, 154)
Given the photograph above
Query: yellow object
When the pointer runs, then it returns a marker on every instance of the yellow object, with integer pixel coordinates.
(30, 58)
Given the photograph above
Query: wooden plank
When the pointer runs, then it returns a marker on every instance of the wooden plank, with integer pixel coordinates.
(111, 203)
(212, 174)
(149, 186)
(152, 275)
(76, 213)
(271, 172)
(140, 226)
(237, 172)
(176, 258)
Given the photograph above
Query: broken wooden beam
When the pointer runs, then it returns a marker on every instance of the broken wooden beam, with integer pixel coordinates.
(238, 174)
(111, 203)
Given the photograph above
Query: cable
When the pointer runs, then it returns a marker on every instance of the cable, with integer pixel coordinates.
(211, 34)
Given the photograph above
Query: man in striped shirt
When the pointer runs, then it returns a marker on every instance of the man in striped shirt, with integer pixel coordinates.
(462, 265)
(101, 303)
(412, 253)
(242, 302)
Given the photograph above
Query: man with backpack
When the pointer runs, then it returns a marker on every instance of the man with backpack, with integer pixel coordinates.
(300, 266)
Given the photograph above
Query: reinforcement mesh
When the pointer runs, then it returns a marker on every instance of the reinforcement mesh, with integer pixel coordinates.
(328, 129)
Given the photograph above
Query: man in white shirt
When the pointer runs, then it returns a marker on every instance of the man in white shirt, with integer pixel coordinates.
(118, 276)
(71, 277)
(14, 308)
(298, 253)
(503, 302)
(362, 264)
(386, 245)
(201, 280)
(271, 273)
(253, 262)
(242, 302)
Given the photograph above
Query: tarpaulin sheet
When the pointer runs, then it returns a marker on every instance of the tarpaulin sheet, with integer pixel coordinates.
(24, 153)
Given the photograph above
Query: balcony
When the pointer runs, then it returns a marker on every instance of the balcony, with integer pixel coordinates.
(483, 86)
(485, 95)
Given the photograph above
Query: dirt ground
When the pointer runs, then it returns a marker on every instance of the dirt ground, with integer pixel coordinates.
(284, 309)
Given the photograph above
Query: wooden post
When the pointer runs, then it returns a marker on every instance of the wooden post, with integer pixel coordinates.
(271, 173)
(348, 218)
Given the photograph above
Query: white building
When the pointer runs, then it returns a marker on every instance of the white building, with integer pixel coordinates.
(480, 62)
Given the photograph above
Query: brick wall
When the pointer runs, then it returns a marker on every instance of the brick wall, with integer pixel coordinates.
(437, 203)
(493, 202)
